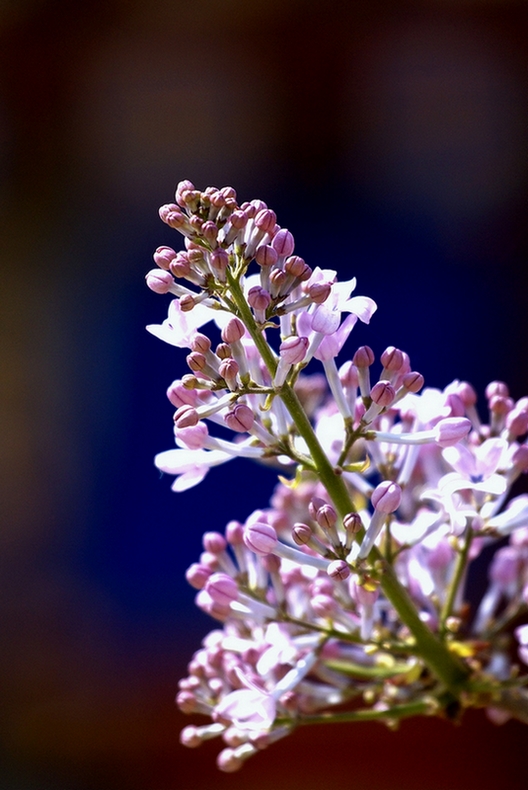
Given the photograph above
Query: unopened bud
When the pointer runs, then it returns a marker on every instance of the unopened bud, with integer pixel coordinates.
(266, 256)
(326, 516)
(386, 497)
(265, 220)
(392, 359)
(186, 416)
(240, 419)
(413, 381)
(260, 538)
(159, 281)
(163, 257)
(382, 393)
(283, 243)
(352, 523)
(233, 331)
(364, 357)
(338, 570)
(451, 430)
(293, 349)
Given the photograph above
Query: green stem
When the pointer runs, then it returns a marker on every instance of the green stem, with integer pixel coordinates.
(446, 666)
(458, 575)
(397, 712)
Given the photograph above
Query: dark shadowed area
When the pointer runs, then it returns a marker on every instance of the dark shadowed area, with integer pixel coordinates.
(390, 138)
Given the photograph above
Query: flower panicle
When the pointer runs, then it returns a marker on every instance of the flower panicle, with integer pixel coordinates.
(350, 589)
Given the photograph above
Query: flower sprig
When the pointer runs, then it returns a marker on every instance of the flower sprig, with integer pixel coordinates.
(350, 589)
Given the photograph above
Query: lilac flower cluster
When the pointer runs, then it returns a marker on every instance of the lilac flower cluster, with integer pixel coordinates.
(350, 590)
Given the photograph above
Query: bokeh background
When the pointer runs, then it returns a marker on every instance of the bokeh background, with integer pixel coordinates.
(390, 137)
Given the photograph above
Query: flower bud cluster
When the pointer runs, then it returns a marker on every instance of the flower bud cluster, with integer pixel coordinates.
(393, 491)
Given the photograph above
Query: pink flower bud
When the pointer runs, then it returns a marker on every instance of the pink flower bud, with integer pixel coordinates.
(187, 303)
(364, 357)
(277, 281)
(214, 542)
(338, 570)
(283, 243)
(260, 538)
(451, 430)
(222, 588)
(194, 436)
(324, 605)
(197, 575)
(266, 256)
(200, 343)
(163, 257)
(186, 416)
(234, 533)
(233, 331)
(196, 224)
(382, 393)
(520, 458)
(182, 188)
(500, 405)
(240, 419)
(210, 232)
(296, 267)
(223, 351)
(348, 375)
(352, 523)
(238, 219)
(455, 404)
(228, 761)
(196, 361)
(258, 298)
(466, 393)
(392, 359)
(517, 422)
(229, 193)
(326, 516)
(293, 349)
(364, 596)
(319, 292)
(180, 266)
(175, 219)
(159, 281)
(219, 262)
(314, 504)
(228, 370)
(497, 388)
(301, 534)
(386, 497)
(178, 395)
(413, 381)
(271, 563)
(188, 703)
(265, 220)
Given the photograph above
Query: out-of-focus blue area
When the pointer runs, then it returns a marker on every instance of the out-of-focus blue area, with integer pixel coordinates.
(390, 139)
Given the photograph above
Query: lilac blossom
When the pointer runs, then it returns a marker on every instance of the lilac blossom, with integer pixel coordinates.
(351, 588)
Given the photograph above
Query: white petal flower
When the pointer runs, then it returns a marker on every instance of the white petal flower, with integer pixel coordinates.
(180, 326)
(189, 466)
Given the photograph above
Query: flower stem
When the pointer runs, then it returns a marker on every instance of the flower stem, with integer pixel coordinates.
(444, 664)
(397, 712)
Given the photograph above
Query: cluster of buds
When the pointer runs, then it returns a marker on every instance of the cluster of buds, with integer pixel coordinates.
(351, 588)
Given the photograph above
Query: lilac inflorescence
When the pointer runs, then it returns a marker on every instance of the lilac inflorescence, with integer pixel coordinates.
(388, 492)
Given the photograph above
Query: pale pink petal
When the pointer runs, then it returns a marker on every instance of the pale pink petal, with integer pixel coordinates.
(362, 306)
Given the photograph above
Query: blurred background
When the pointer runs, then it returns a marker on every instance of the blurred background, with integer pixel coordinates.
(390, 137)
